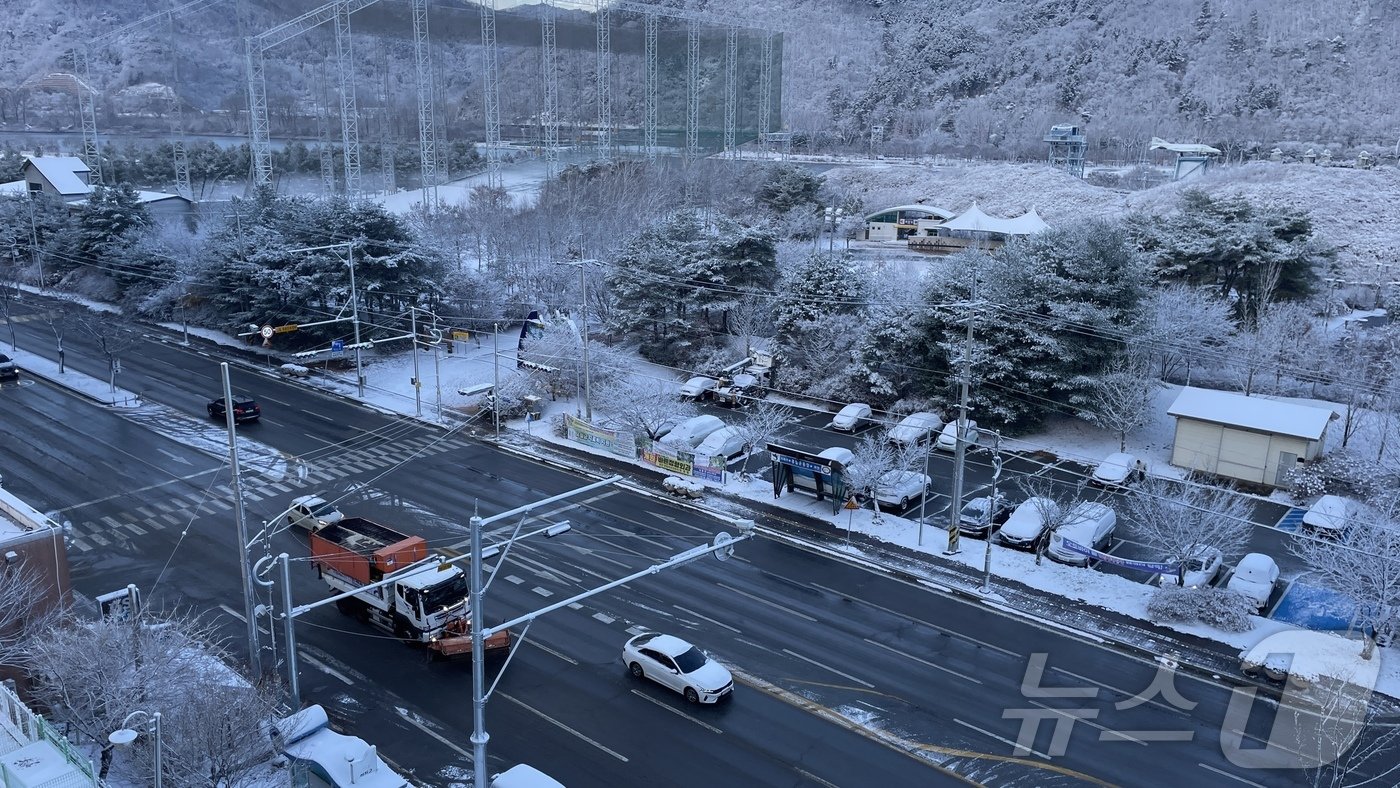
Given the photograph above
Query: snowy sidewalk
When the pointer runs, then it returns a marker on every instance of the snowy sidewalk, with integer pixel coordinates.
(88, 386)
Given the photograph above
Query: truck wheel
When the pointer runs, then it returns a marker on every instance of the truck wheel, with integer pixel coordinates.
(636, 670)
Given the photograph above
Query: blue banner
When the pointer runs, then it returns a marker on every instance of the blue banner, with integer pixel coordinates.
(1126, 563)
(798, 462)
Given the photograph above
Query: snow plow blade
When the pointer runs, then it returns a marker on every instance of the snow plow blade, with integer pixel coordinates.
(459, 645)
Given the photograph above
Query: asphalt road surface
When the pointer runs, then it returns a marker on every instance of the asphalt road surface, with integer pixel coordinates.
(845, 676)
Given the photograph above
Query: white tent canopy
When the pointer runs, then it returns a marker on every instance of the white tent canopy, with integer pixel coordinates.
(975, 220)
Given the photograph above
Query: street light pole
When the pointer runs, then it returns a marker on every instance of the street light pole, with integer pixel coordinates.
(355, 303)
(583, 334)
(496, 377)
(249, 612)
(991, 512)
(960, 434)
(417, 381)
(125, 735)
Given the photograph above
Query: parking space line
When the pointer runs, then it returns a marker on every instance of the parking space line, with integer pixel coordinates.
(674, 710)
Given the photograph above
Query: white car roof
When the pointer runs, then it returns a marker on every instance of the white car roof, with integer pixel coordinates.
(920, 419)
(839, 454)
(854, 408)
(1115, 466)
(670, 645)
(699, 380)
(1254, 562)
(719, 437)
(1330, 511)
(309, 501)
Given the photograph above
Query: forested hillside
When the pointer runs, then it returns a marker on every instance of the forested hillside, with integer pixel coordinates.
(980, 78)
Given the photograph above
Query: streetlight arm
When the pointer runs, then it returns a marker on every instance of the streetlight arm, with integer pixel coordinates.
(676, 560)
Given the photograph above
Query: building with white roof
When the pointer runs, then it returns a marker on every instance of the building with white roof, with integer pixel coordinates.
(67, 178)
(1251, 439)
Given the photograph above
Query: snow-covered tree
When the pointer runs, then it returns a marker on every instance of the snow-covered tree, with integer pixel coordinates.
(1053, 502)
(819, 286)
(1176, 520)
(1352, 742)
(1178, 322)
(761, 424)
(642, 405)
(1363, 565)
(874, 457)
(1250, 254)
(1120, 399)
(98, 672)
(25, 611)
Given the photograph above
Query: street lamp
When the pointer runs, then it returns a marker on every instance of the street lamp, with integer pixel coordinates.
(126, 735)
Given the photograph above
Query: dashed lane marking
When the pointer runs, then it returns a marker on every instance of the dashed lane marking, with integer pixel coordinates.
(307, 658)
(755, 598)
(921, 661)
(824, 666)
(424, 728)
(547, 718)
(707, 726)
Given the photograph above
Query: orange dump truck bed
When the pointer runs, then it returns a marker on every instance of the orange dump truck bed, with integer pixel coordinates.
(365, 550)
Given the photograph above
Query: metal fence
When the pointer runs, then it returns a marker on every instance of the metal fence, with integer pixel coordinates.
(20, 727)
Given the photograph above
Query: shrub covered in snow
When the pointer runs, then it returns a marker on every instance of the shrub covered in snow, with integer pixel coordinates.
(1213, 607)
(1340, 473)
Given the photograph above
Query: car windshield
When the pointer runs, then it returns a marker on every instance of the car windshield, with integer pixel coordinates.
(323, 509)
(446, 594)
(691, 660)
(1195, 564)
(975, 508)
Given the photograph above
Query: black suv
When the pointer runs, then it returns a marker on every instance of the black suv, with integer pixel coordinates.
(244, 409)
(8, 368)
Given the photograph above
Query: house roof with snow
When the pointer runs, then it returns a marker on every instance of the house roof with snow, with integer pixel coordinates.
(1252, 413)
(1181, 147)
(14, 187)
(912, 208)
(66, 174)
(974, 219)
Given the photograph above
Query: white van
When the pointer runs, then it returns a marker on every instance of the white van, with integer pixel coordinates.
(1089, 524)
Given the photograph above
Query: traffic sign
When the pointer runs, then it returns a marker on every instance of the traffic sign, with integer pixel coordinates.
(851, 503)
(287, 329)
(337, 346)
(267, 332)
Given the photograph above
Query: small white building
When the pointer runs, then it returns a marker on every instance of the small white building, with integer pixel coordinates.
(901, 221)
(1250, 439)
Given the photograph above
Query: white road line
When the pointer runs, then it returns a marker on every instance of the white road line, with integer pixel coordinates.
(922, 661)
(327, 668)
(814, 778)
(677, 711)
(549, 650)
(787, 610)
(982, 643)
(548, 718)
(1116, 735)
(1224, 773)
(317, 415)
(1017, 749)
(424, 728)
(687, 610)
(1159, 704)
(828, 667)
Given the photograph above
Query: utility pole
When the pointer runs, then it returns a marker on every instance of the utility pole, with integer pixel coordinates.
(355, 303)
(583, 334)
(249, 608)
(34, 244)
(991, 512)
(417, 381)
(496, 377)
(960, 444)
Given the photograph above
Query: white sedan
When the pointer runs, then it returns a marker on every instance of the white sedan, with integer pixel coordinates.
(726, 442)
(674, 663)
(1118, 470)
(312, 513)
(898, 488)
(916, 428)
(849, 418)
(948, 438)
(698, 387)
(1254, 577)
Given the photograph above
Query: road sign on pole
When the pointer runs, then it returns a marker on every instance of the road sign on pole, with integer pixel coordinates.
(337, 346)
(286, 329)
(267, 332)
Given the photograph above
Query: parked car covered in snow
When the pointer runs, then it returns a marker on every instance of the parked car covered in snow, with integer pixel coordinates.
(1027, 523)
(689, 433)
(896, 489)
(1199, 568)
(1254, 577)
(1089, 524)
(851, 417)
(916, 428)
(726, 442)
(948, 438)
(1330, 515)
(698, 387)
(1118, 470)
(980, 515)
